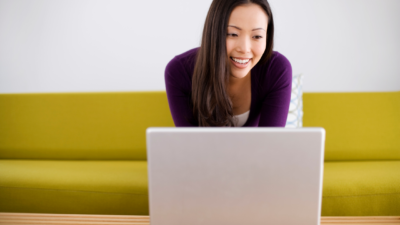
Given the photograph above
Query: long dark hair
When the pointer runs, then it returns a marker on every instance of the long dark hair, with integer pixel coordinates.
(211, 103)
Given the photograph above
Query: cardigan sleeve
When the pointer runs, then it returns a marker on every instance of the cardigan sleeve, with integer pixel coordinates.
(178, 88)
(275, 105)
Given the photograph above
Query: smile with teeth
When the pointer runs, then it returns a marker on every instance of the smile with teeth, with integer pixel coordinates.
(244, 61)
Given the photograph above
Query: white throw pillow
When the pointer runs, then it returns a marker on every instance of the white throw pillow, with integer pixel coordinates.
(295, 115)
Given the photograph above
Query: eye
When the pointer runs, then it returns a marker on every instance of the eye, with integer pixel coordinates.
(258, 37)
(232, 34)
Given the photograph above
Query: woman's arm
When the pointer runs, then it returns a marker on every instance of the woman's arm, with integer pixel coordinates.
(178, 87)
(275, 106)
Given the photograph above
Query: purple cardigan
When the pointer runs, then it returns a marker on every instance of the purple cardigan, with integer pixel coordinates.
(271, 85)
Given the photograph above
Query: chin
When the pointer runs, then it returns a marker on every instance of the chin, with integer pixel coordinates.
(240, 74)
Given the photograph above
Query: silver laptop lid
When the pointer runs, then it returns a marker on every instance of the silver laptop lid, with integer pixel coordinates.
(235, 175)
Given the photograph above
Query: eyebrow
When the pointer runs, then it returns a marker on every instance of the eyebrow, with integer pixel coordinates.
(241, 29)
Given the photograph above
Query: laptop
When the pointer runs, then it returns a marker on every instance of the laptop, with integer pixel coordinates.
(221, 176)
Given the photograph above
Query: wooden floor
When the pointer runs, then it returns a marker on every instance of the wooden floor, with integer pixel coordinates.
(67, 219)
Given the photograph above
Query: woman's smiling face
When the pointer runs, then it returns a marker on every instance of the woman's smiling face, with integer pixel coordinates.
(246, 38)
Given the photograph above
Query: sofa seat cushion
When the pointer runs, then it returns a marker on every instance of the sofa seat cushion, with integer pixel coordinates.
(75, 187)
(361, 188)
(358, 188)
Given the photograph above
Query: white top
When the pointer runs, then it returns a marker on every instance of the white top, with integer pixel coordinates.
(241, 119)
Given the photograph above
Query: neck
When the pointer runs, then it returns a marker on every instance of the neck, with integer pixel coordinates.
(235, 82)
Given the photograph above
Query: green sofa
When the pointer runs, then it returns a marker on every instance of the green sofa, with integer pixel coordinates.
(85, 153)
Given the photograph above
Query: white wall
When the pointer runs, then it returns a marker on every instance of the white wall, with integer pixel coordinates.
(341, 45)
(121, 45)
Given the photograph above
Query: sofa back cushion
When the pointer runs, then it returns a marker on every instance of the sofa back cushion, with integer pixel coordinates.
(80, 125)
(359, 126)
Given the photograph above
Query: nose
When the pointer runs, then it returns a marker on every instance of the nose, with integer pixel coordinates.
(243, 45)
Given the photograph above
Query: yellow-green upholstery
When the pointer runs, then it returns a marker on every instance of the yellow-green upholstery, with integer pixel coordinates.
(77, 152)
(74, 186)
(85, 152)
(107, 126)
(362, 151)
(359, 126)
(361, 188)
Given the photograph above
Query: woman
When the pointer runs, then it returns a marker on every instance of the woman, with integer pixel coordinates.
(234, 78)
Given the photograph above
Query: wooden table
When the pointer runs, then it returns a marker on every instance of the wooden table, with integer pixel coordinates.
(70, 219)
